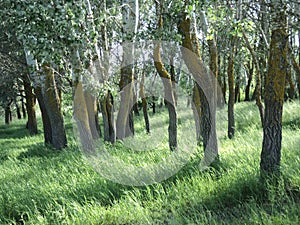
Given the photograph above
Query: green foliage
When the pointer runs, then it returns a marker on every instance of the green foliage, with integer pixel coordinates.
(42, 186)
(48, 28)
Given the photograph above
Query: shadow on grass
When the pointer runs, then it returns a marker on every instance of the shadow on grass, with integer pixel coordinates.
(241, 199)
(293, 124)
(39, 150)
(13, 131)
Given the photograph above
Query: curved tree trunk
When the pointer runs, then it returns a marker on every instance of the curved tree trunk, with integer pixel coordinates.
(167, 83)
(204, 91)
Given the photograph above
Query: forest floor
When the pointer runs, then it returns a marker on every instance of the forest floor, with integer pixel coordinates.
(42, 186)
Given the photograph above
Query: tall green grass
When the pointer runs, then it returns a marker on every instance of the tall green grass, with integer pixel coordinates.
(42, 186)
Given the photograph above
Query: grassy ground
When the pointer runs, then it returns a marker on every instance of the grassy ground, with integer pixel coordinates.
(43, 186)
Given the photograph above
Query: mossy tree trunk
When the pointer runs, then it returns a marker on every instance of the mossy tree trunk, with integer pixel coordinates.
(52, 103)
(204, 93)
(30, 105)
(231, 100)
(274, 92)
(167, 83)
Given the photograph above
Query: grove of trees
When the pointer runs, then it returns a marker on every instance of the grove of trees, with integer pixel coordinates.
(52, 51)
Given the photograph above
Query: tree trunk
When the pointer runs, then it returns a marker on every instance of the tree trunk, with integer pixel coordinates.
(52, 103)
(135, 107)
(45, 117)
(205, 86)
(19, 116)
(168, 97)
(249, 81)
(23, 108)
(144, 104)
(224, 84)
(125, 126)
(257, 91)
(8, 117)
(91, 105)
(107, 108)
(291, 88)
(237, 94)
(153, 105)
(167, 83)
(173, 77)
(231, 122)
(274, 94)
(30, 105)
(296, 67)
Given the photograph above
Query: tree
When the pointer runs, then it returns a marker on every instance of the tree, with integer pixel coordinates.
(167, 82)
(231, 100)
(204, 89)
(274, 91)
(130, 13)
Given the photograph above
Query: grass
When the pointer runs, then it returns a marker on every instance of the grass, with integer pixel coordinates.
(42, 186)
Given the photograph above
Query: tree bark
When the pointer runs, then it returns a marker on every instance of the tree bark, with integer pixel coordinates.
(291, 88)
(274, 94)
(257, 91)
(144, 104)
(19, 116)
(296, 67)
(125, 125)
(249, 81)
(30, 105)
(204, 90)
(167, 83)
(91, 105)
(81, 117)
(23, 108)
(52, 103)
(231, 100)
(45, 117)
(107, 108)
(7, 113)
(237, 94)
